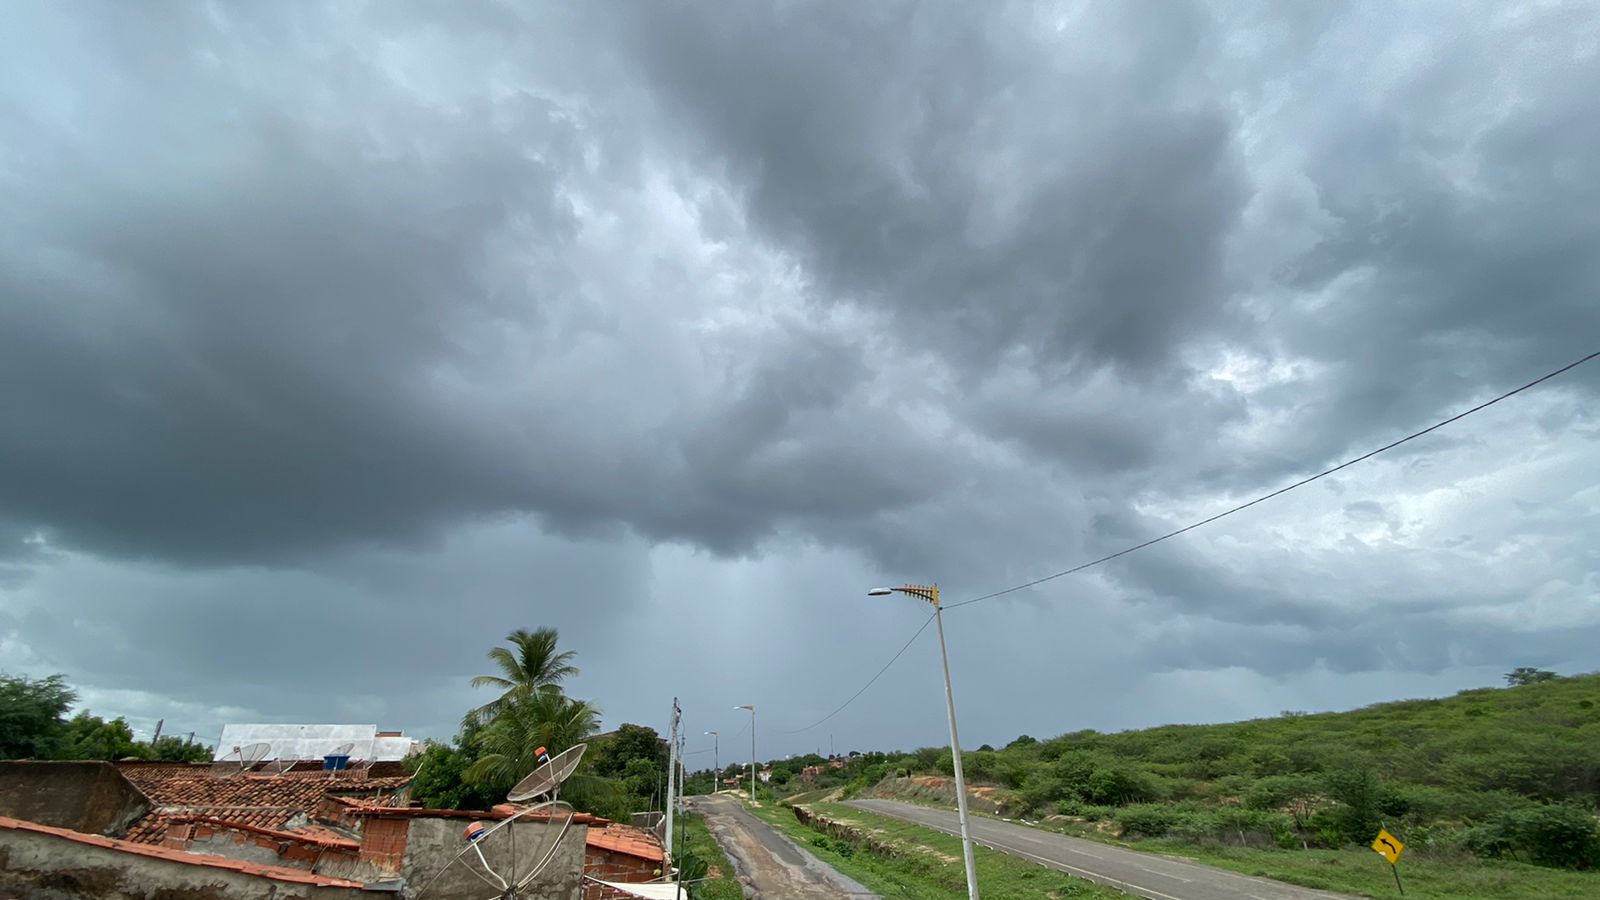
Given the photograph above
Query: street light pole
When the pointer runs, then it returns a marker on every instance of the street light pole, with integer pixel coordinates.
(930, 594)
(716, 765)
(752, 708)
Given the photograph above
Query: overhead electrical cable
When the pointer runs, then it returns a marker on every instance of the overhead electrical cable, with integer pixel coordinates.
(1283, 490)
(1206, 521)
(892, 659)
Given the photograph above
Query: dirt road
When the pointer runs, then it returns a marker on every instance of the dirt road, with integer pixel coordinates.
(769, 864)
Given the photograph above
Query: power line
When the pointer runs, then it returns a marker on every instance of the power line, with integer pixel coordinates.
(1283, 490)
(1172, 534)
(892, 659)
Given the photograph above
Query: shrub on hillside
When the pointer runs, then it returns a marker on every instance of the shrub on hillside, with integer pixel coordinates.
(1149, 819)
(1119, 786)
(1363, 802)
(1294, 795)
(1559, 835)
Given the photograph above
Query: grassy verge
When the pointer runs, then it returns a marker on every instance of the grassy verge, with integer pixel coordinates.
(926, 864)
(1361, 872)
(1364, 873)
(699, 842)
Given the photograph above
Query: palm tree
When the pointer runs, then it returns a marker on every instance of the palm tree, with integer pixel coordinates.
(511, 742)
(531, 665)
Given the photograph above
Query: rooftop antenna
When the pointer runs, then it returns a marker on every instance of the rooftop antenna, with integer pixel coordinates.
(279, 767)
(492, 854)
(364, 764)
(240, 760)
(331, 759)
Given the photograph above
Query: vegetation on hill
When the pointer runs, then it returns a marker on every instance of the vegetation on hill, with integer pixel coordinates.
(34, 725)
(1494, 773)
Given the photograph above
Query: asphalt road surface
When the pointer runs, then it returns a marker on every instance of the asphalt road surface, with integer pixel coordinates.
(769, 864)
(1144, 874)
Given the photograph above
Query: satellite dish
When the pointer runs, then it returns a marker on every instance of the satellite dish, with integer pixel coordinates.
(341, 750)
(508, 859)
(240, 759)
(548, 777)
(501, 857)
(250, 754)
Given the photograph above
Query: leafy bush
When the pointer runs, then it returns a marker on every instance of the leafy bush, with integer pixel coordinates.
(1559, 835)
(1148, 819)
(1119, 786)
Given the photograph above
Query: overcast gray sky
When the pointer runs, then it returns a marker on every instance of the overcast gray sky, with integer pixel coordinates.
(337, 341)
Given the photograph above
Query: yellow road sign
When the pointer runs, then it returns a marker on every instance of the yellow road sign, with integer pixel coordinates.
(1388, 846)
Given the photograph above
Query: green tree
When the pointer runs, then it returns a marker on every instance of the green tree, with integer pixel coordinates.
(440, 771)
(1522, 675)
(533, 664)
(172, 748)
(510, 743)
(91, 737)
(32, 716)
(628, 743)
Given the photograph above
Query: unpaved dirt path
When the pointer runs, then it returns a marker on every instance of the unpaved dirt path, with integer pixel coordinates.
(768, 863)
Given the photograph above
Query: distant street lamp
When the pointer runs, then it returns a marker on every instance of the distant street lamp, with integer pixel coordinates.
(930, 594)
(716, 767)
(752, 708)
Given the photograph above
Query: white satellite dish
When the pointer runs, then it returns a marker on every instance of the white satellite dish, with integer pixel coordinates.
(500, 857)
(503, 858)
(240, 759)
(548, 777)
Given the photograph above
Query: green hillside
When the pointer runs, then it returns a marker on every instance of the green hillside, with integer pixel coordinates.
(1492, 773)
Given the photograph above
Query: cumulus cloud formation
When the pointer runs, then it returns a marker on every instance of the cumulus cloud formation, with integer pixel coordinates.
(677, 325)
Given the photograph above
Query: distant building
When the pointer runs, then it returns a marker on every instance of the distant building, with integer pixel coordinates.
(304, 742)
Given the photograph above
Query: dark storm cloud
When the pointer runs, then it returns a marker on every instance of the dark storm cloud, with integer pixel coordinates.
(1065, 193)
(262, 328)
(977, 291)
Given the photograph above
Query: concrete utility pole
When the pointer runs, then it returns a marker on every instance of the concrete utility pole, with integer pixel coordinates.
(716, 763)
(672, 773)
(159, 723)
(752, 708)
(930, 594)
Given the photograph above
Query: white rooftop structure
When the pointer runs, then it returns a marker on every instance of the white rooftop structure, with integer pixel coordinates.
(315, 741)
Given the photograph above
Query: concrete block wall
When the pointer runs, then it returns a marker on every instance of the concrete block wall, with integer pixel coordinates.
(49, 867)
(431, 844)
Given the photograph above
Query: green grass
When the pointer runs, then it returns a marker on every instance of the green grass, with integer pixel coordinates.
(927, 863)
(1364, 873)
(1358, 871)
(699, 842)
(1493, 772)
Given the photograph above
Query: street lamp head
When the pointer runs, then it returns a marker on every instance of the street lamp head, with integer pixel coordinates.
(749, 706)
(880, 592)
(711, 732)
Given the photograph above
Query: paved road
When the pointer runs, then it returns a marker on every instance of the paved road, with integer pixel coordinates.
(1145, 874)
(769, 864)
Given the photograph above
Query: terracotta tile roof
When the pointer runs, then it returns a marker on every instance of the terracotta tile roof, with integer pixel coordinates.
(168, 787)
(258, 801)
(275, 873)
(153, 827)
(499, 812)
(625, 839)
(313, 835)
